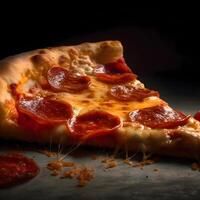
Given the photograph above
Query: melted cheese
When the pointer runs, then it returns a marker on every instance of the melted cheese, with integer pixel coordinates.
(96, 98)
(82, 65)
(28, 85)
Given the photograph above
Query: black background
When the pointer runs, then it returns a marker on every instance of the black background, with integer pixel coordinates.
(154, 37)
(30, 25)
(161, 45)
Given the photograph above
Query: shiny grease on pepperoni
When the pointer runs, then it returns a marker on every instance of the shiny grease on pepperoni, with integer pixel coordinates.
(118, 67)
(197, 116)
(130, 93)
(159, 117)
(114, 73)
(45, 110)
(15, 169)
(93, 124)
(62, 80)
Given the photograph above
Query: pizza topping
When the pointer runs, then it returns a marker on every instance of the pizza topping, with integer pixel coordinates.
(118, 67)
(116, 78)
(115, 73)
(62, 80)
(82, 65)
(159, 117)
(130, 93)
(197, 116)
(45, 110)
(31, 126)
(93, 124)
(16, 168)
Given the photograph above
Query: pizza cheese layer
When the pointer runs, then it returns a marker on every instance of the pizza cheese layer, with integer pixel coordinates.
(88, 94)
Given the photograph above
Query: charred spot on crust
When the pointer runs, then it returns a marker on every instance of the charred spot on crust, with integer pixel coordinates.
(85, 101)
(37, 59)
(42, 52)
(105, 45)
(73, 53)
(40, 60)
(62, 59)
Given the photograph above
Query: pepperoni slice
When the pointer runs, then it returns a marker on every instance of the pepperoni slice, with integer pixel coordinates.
(116, 79)
(118, 67)
(130, 93)
(31, 126)
(93, 124)
(16, 168)
(45, 110)
(159, 117)
(115, 73)
(62, 80)
(197, 116)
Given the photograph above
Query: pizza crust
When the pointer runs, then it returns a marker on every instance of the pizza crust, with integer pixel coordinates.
(134, 137)
(186, 143)
(14, 68)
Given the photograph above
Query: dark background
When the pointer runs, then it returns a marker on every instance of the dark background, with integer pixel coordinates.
(161, 44)
(32, 25)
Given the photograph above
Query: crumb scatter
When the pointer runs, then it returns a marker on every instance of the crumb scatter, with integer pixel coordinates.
(81, 173)
(48, 153)
(195, 166)
(109, 163)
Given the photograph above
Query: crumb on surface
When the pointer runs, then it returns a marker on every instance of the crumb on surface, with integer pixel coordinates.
(195, 166)
(54, 173)
(109, 163)
(93, 157)
(83, 174)
(59, 165)
(128, 162)
(47, 153)
(71, 173)
(143, 163)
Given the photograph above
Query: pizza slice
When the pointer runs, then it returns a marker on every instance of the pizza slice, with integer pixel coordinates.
(87, 95)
